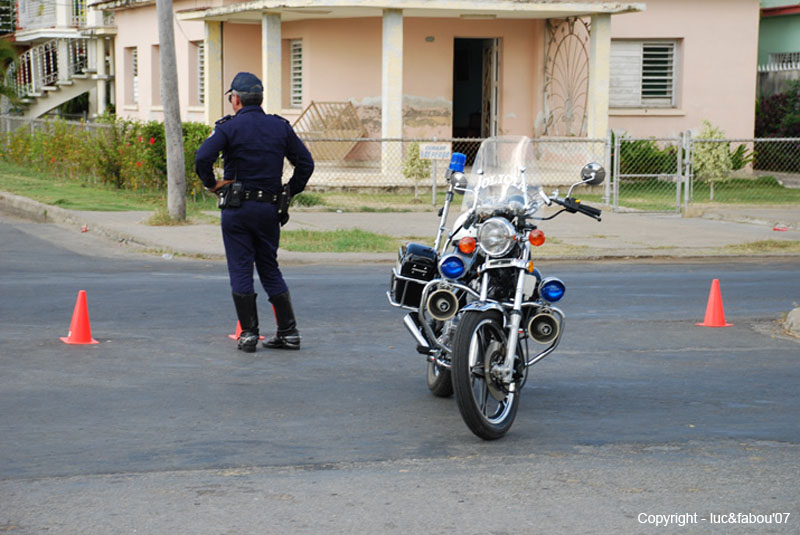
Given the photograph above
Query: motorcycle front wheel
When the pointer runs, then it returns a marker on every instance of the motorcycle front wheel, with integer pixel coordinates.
(485, 403)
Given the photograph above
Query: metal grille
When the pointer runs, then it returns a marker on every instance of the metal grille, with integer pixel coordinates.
(79, 13)
(135, 74)
(8, 16)
(658, 75)
(329, 129)
(296, 80)
(201, 72)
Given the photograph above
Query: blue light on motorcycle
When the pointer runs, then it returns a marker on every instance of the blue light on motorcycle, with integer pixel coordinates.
(552, 290)
(451, 267)
(457, 162)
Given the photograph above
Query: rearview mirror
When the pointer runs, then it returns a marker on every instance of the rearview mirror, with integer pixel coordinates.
(593, 174)
(459, 181)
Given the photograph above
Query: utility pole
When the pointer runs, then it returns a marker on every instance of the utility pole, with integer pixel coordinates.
(176, 169)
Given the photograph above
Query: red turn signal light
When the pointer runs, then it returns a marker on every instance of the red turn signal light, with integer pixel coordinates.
(467, 245)
(536, 237)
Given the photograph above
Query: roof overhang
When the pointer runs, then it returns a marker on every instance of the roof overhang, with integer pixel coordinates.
(291, 10)
(780, 11)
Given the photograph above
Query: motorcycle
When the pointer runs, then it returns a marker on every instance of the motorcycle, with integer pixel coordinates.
(476, 301)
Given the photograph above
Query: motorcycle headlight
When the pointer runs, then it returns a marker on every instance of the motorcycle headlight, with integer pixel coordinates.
(496, 236)
(451, 267)
(552, 289)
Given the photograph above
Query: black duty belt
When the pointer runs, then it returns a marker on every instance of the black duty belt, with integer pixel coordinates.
(261, 196)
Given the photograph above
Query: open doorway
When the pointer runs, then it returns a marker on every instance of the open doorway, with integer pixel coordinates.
(475, 90)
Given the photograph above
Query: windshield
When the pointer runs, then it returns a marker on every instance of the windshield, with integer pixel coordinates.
(504, 176)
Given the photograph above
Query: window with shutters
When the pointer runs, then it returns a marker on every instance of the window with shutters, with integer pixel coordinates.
(643, 74)
(197, 73)
(155, 76)
(296, 72)
(131, 57)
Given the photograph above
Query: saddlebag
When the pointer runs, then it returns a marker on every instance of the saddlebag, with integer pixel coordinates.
(416, 265)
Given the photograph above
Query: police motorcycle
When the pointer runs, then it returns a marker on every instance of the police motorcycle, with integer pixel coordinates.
(478, 308)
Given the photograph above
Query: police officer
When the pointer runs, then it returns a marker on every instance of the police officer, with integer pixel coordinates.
(253, 146)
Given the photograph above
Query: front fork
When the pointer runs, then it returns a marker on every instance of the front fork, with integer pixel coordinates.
(505, 372)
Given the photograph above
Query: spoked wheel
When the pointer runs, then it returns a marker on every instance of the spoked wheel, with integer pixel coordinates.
(440, 381)
(487, 405)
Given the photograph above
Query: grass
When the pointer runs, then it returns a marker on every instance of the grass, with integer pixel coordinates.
(764, 246)
(338, 241)
(658, 195)
(82, 194)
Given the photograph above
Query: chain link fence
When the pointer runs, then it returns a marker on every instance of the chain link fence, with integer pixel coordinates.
(644, 174)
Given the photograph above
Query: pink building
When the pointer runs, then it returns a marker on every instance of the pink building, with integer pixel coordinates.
(463, 68)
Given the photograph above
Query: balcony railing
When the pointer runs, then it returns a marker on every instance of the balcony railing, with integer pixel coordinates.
(45, 14)
(38, 67)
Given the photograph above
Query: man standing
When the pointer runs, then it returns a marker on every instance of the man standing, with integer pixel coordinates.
(253, 146)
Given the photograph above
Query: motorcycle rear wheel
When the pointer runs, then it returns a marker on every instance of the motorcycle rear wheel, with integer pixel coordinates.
(479, 342)
(440, 381)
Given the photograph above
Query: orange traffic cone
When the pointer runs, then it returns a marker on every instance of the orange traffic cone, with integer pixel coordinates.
(715, 315)
(79, 330)
(238, 332)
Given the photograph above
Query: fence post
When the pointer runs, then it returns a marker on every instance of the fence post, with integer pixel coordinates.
(679, 174)
(687, 169)
(433, 185)
(607, 185)
(615, 190)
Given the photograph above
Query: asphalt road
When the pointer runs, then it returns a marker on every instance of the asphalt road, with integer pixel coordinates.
(164, 427)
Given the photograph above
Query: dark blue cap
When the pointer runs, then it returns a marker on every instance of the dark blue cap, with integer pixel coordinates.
(246, 82)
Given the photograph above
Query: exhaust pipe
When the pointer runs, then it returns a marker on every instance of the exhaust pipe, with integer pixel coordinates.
(442, 305)
(543, 328)
(412, 327)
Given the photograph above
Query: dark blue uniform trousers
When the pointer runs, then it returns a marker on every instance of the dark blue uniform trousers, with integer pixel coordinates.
(251, 234)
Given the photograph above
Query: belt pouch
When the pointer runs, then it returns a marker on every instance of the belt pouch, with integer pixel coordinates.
(237, 195)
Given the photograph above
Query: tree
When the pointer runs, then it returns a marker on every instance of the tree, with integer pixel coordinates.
(414, 167)
(7, 56)
(173, 134)
(712, 160)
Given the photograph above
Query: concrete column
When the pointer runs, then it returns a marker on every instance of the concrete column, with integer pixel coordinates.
(271, 61)
(63, 60)
(599, 75)
(100, 45)
(63, 14)
(212, 44)
(392, 90)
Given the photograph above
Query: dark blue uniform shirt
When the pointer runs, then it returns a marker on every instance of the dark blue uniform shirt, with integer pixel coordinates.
(253, 145)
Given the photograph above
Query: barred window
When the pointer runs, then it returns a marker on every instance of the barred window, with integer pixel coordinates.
(131, 58)
(643, 73)
(296, 72)
(197, 73)
(201, 73)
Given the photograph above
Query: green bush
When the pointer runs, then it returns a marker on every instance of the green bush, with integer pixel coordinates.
(644, 157)
(127, 154)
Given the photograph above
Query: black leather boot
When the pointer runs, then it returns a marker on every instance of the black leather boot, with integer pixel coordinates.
(247, 312)
(287, 336)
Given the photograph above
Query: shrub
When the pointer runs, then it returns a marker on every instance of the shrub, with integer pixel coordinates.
(644, 157)
(712, 160)
(414, 167)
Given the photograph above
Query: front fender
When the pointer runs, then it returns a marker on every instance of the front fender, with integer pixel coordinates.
(485, 306)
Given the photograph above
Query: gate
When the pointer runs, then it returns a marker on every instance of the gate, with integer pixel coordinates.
(649, 174)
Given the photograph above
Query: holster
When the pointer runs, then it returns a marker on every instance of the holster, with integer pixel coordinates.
(283, 204)
(230, 195)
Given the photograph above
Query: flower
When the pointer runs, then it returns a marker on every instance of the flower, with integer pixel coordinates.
(152, 141)
(53, 159)
(138, 164)
(140, 139)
